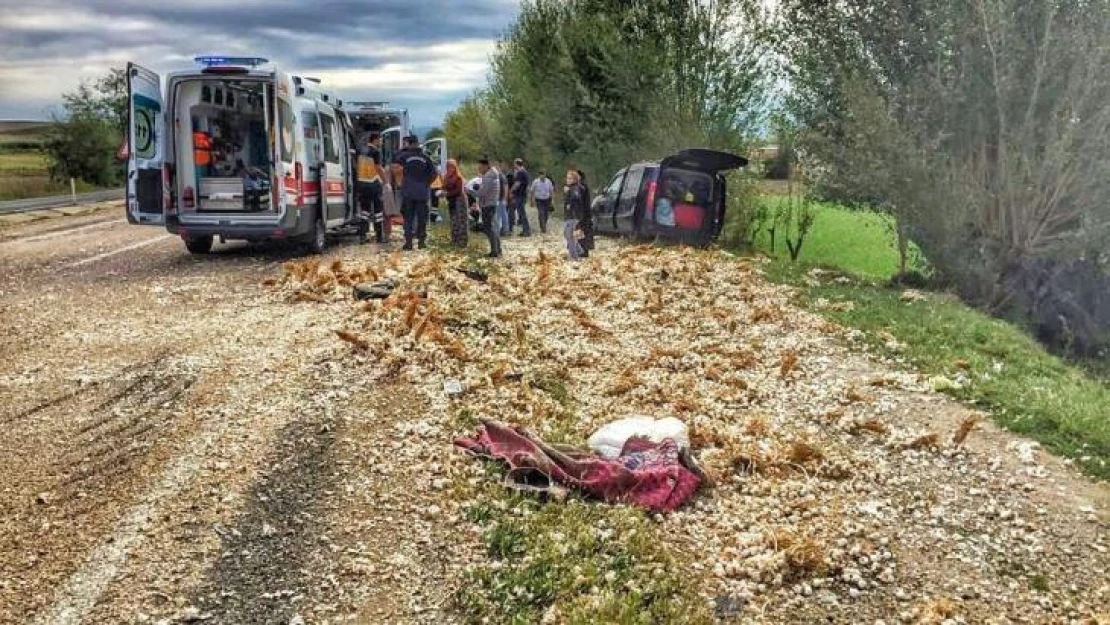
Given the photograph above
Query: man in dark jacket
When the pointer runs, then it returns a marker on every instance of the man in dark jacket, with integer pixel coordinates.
(418, 172)
(518, 197)
(504, 217)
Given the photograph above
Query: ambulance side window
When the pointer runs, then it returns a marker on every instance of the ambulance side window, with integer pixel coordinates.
(287, 133)
(311, 124)
(327, 122)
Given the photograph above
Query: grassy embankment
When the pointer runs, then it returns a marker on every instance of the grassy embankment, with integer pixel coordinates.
(976, 358)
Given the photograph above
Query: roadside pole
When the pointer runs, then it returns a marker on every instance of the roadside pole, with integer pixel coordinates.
(73, 190)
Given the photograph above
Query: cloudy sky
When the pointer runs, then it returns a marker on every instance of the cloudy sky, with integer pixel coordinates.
(425, 54)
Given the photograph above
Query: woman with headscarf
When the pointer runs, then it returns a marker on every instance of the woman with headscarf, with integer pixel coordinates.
(576, 212)
(455, 194)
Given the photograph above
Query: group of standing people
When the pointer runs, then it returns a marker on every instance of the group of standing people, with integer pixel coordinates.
(502, 198)
(416, 173)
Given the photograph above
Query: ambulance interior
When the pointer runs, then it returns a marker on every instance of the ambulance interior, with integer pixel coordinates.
(379, 121)
(224, 147)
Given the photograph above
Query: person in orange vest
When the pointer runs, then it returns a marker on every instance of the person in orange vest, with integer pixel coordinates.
(202, 151)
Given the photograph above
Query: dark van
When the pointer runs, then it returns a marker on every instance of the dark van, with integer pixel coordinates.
(680, 198)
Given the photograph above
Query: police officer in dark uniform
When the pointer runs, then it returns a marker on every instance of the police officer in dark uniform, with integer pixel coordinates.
(418, 172)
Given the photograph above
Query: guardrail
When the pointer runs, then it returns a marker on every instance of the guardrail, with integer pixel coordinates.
(57, 201)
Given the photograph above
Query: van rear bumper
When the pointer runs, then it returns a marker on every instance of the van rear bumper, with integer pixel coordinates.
(241, 232)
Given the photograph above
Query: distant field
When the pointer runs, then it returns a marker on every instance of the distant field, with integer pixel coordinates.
(22, 133)
(24, 174)
(16, 127)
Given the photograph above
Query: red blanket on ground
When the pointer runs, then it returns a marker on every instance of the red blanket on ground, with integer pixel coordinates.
(646, 474)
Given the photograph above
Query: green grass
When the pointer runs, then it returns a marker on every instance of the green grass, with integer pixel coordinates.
(582, 561)
(22, 161)
(857, 241)
(1025, 388)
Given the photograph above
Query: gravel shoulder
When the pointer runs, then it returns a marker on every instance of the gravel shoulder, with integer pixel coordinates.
(188, 440)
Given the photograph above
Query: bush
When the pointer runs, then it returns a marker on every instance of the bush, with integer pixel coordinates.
(779, 168)
(911, 278)
(85, 149)
(1065, 303)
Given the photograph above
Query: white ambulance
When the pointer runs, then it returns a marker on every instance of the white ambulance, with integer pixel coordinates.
(234, 151)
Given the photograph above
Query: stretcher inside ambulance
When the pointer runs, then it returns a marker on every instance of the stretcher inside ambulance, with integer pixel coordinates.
(224, 154)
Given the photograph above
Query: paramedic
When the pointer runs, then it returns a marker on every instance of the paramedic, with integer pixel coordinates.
(489, 196)
(418, 173)
(369, 181)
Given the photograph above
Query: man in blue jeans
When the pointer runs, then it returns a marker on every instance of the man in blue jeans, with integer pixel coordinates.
(418, 172)
(489, 196)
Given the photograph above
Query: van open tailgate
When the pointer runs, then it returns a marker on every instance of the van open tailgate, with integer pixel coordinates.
(700, 159)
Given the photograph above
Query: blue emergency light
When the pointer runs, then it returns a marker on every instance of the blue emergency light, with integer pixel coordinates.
(230, 61)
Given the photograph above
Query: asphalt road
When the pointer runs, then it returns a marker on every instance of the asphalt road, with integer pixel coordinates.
(41, 203)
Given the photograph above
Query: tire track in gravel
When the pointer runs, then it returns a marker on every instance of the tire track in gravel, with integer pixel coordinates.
(265, 570)
(67, 460)
(333, 531)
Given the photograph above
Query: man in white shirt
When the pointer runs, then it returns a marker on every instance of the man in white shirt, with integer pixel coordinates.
(541, 192)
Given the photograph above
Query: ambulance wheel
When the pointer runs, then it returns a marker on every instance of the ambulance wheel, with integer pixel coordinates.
(198, 245)
(319, 239)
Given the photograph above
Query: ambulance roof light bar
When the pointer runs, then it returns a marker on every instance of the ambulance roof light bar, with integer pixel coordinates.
(369, 105)
(211, 61)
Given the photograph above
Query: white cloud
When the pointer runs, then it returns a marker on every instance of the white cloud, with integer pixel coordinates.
(48, 48)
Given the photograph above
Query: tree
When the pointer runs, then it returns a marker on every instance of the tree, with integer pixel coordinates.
(602, 82)
(982, 126)
(435, 133)
(104, 98)
(85, 149)
(82, 144)
(467, 128)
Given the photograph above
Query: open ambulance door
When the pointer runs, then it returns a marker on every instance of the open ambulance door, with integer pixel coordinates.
(147, 193)
(436, 149)
(391, 145)
(284, 182)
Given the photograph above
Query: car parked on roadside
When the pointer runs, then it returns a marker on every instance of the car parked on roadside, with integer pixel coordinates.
(680, 198)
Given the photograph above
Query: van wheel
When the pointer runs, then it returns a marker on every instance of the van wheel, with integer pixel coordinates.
(199, 245)
(319, 239)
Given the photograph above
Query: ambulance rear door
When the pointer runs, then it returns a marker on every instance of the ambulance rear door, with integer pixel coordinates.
(147, 192)
(391, 145)
(285, 184)
(436, 149)
(333, 172)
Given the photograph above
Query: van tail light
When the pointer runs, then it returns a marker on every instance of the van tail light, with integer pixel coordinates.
(298, 174)
(650, 204)
(169, 205)
(187, 198)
